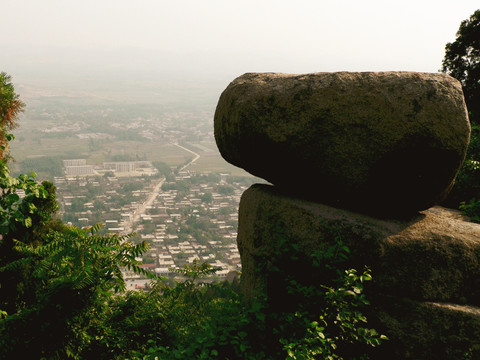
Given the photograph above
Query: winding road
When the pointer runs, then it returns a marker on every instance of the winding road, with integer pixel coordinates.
(191, 152)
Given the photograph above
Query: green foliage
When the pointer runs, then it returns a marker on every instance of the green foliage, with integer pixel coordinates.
(72, 310)
(191, 319)
(317, 311)
(225, 189)
(84, 258)
(205, 320)
(128, 135)
(341, 313)
(79, 271)
(17, 212)
(109, 174)
(45, 165)
(471, 209)
(10, 107)
(62, 292)
(26, 209)
(467, 185)
(210, 321)
(23, 218)
(164, 170)
(133, 186)
(207, 197)
(55, 281)
(462, 61)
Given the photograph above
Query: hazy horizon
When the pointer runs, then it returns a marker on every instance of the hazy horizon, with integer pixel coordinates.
(202, 46)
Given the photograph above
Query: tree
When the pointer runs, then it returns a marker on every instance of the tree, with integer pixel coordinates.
(23, 217)
(55, 281)
(462, 61)
(78, 271)
(62, 294)
(207, 197)
(10, 107)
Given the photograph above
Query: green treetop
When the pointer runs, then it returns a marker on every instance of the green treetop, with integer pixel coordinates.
(462, 61)
(10, 107)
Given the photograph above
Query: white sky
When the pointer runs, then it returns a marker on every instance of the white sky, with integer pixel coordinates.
(228, 38)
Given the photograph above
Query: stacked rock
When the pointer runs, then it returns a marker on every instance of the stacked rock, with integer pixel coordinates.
(388, 142)
(364, 153)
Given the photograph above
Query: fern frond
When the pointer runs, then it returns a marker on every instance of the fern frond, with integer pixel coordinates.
(96, 228)
(18, 265)
(84, 280)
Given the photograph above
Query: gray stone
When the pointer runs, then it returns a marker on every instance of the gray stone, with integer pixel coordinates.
(426, 330)
(429, 257)
(425, 291)
(383, 143)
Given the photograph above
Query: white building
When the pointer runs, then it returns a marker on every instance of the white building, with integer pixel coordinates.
(74, 162)
(79, 170)
(121, 166)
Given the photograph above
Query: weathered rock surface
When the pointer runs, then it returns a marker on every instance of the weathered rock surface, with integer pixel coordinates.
(381, 143)
(426, 270)
(426, 330)
(429, 257)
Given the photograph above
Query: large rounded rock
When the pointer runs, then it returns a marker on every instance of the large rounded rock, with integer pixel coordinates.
(385, 143)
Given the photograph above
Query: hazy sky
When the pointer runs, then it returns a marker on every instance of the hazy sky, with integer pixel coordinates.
(222, 39)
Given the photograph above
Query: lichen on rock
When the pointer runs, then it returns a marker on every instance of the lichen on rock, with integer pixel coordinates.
(382, 143)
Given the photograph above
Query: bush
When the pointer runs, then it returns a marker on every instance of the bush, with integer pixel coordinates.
(76, 313)
(209, 321)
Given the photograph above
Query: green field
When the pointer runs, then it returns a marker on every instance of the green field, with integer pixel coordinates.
(29, 148)
(52, 128)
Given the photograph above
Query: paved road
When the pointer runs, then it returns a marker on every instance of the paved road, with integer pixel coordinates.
(142, 208)
(191, 152)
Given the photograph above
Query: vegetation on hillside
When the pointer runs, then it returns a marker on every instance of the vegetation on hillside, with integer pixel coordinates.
(462, 61)
(63, 298)
(10, 107)
(62, 295)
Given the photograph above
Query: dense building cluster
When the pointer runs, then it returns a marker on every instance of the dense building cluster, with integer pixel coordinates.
(184, 216)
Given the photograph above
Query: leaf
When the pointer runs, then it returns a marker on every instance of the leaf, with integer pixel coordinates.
(27, 222)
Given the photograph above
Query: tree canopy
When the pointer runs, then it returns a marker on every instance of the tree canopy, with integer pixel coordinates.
(62, 292)
(462, 61)
(10, 107)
